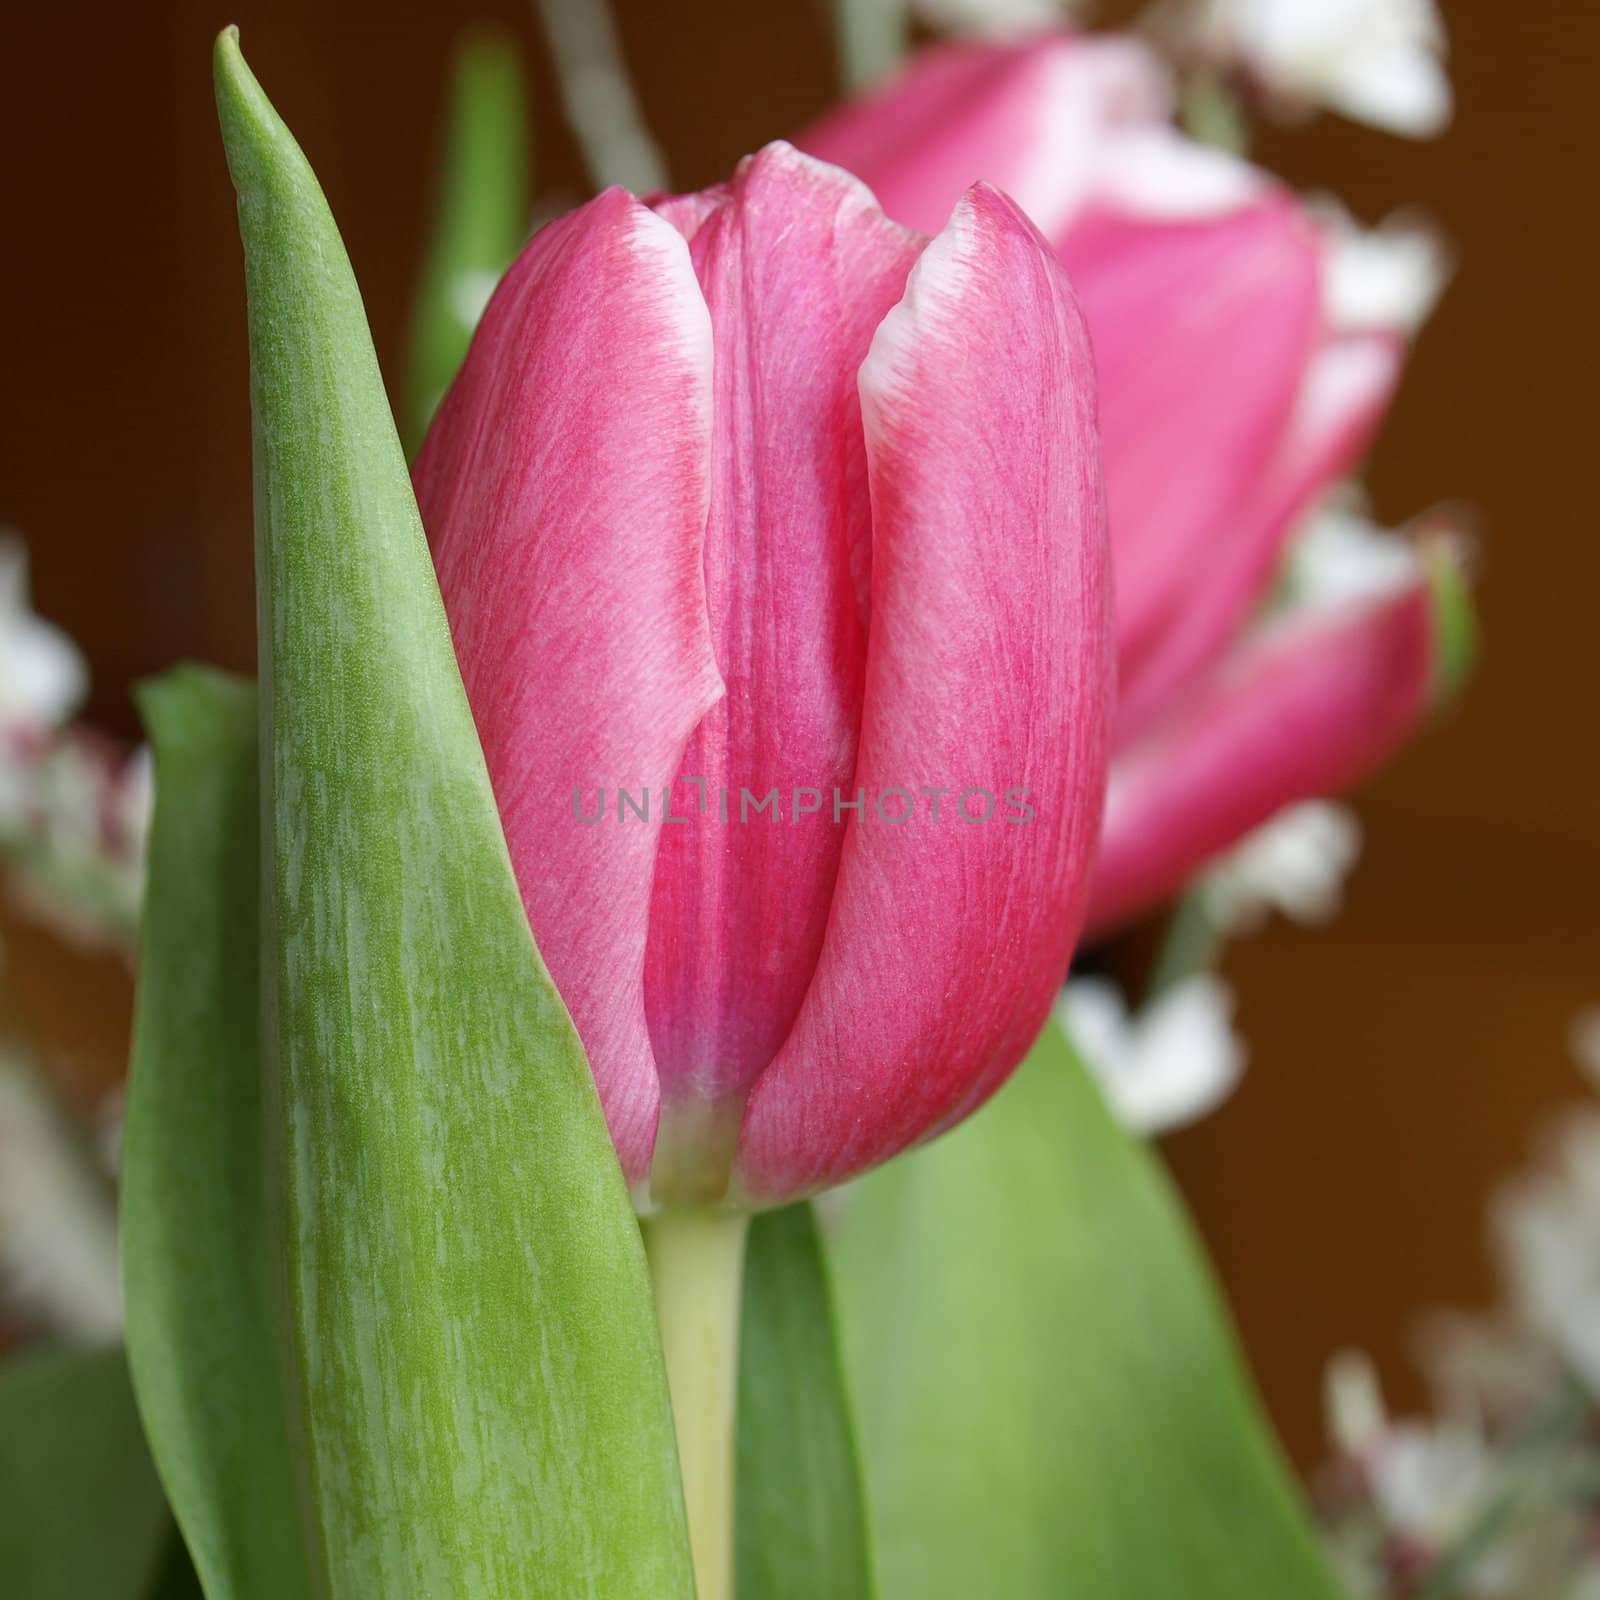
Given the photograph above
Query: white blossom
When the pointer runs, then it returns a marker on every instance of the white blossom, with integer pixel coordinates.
(1295, 864)
(1353, 1401)
(1390, 276)
(74, 818)
(1546, 1228)
(1376, 61)
(1428, 1482)
(1430, 1479)
(1501, 1478)
(1166, 1065)
(42, 676)
(1341, 557)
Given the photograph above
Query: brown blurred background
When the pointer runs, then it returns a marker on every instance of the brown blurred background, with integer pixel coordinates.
(1400, 1059)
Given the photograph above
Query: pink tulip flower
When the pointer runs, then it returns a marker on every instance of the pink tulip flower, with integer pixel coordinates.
(772, 540)
(1237, 382)
(1299, 707)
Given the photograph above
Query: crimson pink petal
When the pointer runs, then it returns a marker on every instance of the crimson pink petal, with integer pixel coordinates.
(1203, 331)
(1304, 708)
(564, 488)
(989, 665)
(798, 266)
(1343, 396)
(1027, 117)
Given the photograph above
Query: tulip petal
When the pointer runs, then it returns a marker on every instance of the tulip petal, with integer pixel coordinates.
(989, 664)
(1305, 707)
(1202, 333)
(1029, 118)
(798, 267)
(564, 487)
(1342, 398)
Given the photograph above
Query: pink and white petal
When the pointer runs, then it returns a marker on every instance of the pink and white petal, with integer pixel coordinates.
(989, 665)
(1034, 119)
(686, 212)
(1153, 173)
(798, 266)
(1343, 397)
(1303, 709)
(564, 488)
(1202, 334)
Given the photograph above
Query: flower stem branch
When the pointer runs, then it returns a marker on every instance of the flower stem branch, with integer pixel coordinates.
(697, 1269)
(602, 108)
(1192, 944)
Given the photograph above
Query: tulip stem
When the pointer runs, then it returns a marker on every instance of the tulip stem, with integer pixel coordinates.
(697, 1269)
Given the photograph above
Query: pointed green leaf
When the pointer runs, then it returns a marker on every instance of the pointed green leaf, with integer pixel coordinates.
(1052, 1403)
(480, 1384)
(481, 216)
(802, 1531)
(194, 1249)
(81, 1513)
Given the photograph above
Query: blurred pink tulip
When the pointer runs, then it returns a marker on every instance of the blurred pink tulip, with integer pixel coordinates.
(1233, 392)
(755, 490)
(1301, 706)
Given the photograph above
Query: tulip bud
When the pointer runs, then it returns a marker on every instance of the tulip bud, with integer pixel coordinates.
(771, 540)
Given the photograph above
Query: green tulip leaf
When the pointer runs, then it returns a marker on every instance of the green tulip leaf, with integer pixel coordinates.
(81, 1511)
(477, 1376)
(1052, 1402)
(194, 1240)
(481, 216)
(801, 1527)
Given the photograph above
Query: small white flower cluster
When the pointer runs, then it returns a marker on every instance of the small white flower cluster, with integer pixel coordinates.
(73, 816)
(1496, 1493)
(74, 809)
(1295, 864)
(76, 842)
(1380, 62)
(1546, 1234)
(1389, 276)
(1168, 1064)
(1375, 61)
(43, 678)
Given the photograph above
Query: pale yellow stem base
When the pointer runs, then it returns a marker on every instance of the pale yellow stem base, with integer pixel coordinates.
(697, 1268)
